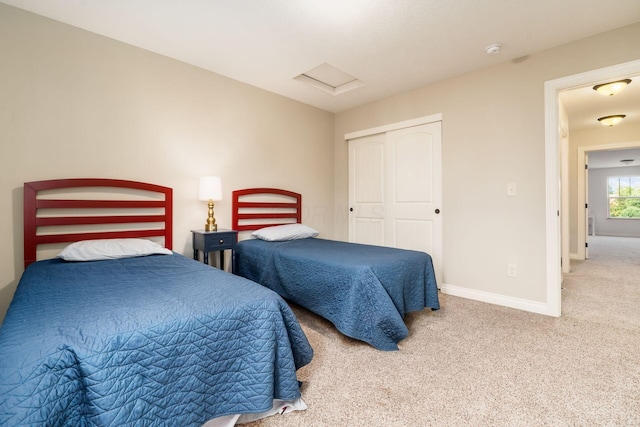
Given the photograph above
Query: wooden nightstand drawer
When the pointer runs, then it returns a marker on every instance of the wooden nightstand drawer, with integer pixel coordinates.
(216, 243)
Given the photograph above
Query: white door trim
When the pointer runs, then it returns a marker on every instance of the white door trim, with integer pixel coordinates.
(564, 198)
(552, 169)
(394, 126)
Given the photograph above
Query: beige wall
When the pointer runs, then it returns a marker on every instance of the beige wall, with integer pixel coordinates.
(623, 133)
(74, 104)
(493, 134)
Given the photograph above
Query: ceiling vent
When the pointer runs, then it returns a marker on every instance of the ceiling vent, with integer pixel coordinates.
(329, 79)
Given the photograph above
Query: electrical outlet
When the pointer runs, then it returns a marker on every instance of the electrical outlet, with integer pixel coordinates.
(512, 270)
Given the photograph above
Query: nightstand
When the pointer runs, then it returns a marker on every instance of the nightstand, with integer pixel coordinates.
(210, 241)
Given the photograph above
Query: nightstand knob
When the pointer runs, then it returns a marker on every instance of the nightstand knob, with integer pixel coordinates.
(221, 241)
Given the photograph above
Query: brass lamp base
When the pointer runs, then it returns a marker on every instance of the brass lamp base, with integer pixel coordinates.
(211, 221)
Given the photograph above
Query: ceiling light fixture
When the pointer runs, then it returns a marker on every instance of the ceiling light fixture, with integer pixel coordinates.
(611, 120)
(612, 88)
(626, 161)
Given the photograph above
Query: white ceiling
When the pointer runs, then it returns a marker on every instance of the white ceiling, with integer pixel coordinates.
(611, 158)
(391, 46)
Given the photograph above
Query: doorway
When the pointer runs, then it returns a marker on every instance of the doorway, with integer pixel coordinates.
(553, 163)
(583, 189)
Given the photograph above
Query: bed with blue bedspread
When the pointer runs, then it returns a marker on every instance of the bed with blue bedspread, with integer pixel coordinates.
(156, 340)
(141, 340)
(364, 290)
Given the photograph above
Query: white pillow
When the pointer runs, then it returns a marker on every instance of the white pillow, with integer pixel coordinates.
(279, 233)
(94, 250)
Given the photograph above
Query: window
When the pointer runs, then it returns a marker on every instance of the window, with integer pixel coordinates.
(624, 197)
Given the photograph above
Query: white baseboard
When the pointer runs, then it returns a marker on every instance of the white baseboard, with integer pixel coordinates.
(575, 256)
(497, 299)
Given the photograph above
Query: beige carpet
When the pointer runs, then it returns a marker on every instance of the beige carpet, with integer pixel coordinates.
(476, 364)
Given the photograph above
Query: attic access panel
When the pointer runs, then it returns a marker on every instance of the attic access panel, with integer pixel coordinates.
(329, 79)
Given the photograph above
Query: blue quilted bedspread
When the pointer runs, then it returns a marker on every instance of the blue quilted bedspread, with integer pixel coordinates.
(158, 340)
(365, 291)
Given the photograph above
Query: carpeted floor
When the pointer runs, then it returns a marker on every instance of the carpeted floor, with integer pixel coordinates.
(476, 364)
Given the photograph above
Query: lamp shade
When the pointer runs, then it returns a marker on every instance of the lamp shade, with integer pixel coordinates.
(210, 188)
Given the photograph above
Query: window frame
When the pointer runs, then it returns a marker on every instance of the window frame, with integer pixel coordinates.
(610, 197)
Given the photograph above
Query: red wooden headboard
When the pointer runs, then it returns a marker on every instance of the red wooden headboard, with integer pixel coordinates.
(255, 208)
(57, 212)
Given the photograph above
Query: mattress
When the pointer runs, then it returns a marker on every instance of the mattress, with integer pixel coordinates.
(156, 340)
(364, 290)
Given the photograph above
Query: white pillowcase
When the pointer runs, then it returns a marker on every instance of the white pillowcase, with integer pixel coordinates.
(280, 233)
(94, 250)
